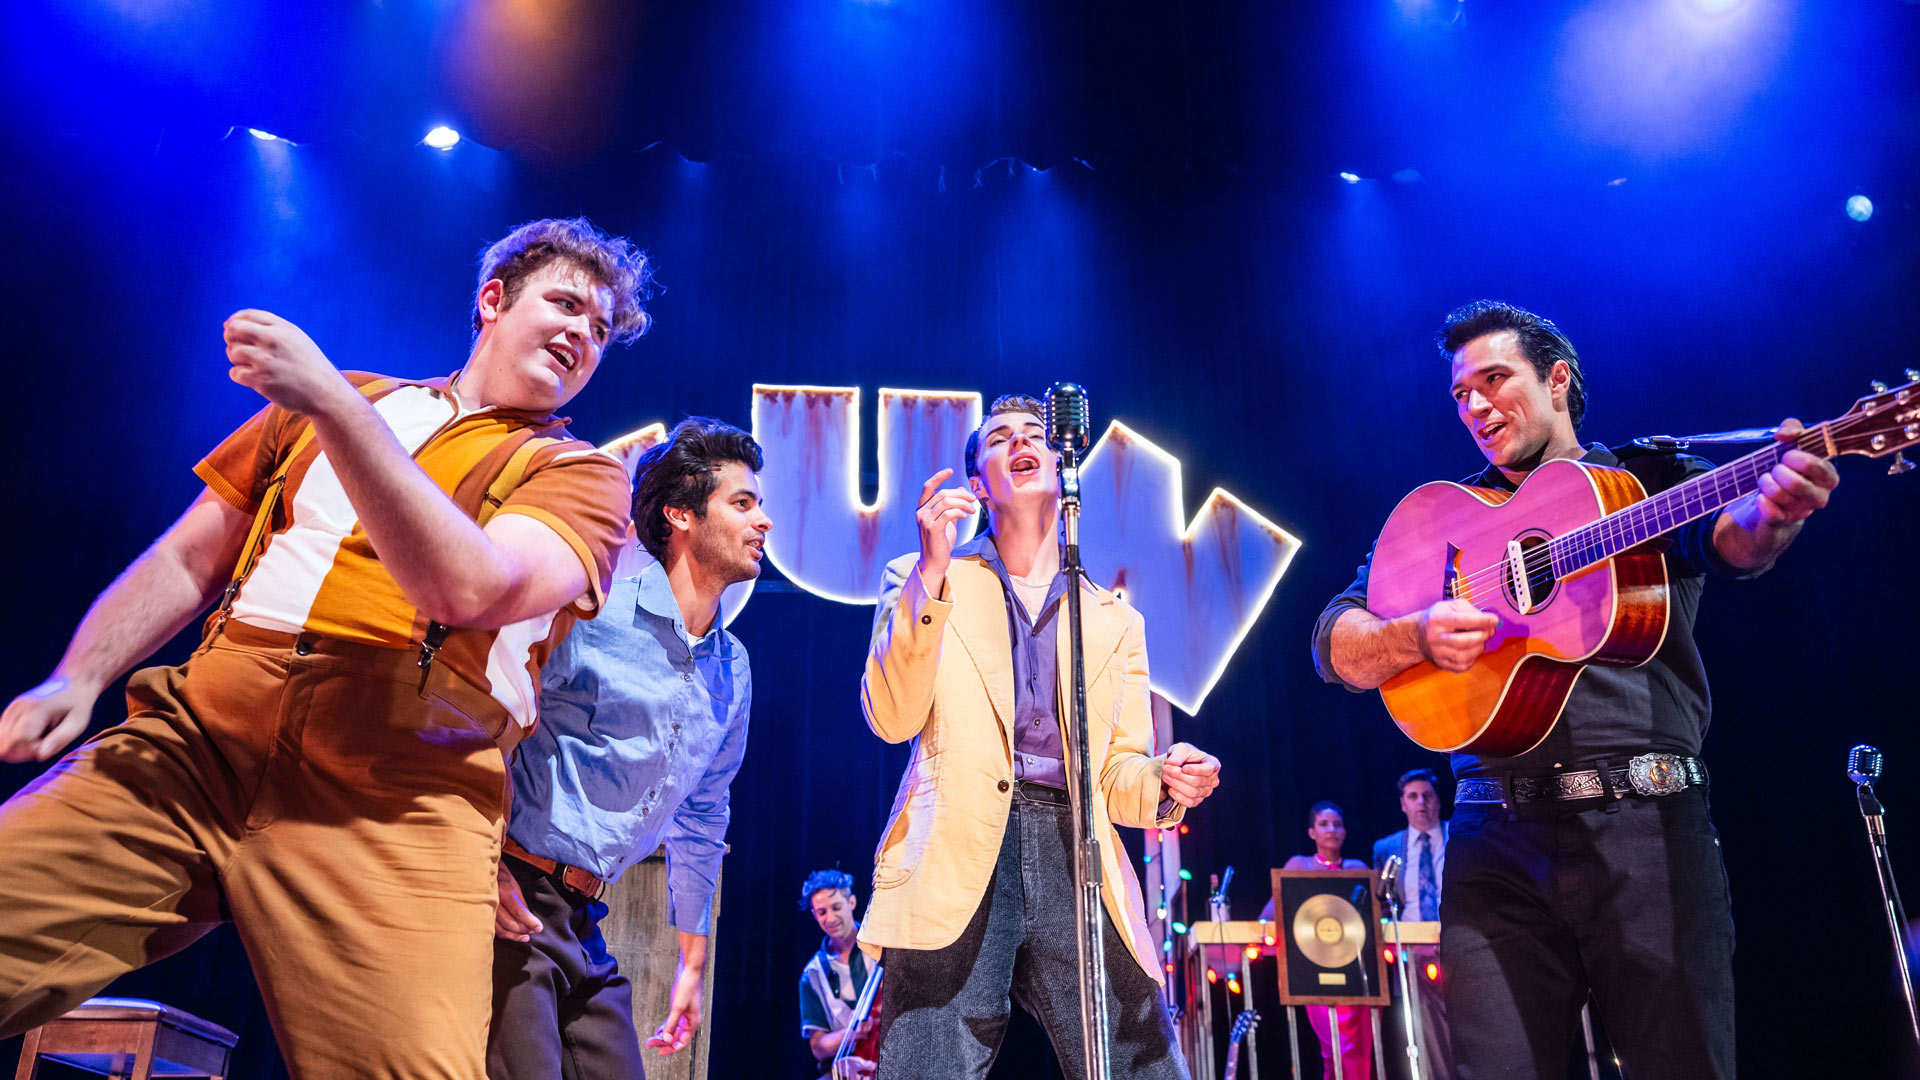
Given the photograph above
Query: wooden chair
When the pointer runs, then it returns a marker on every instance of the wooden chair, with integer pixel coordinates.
(128, 1037)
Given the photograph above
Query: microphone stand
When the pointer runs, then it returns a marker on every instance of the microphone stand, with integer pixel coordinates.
(1086, 844)
(1871, 810)
(1409, 1005)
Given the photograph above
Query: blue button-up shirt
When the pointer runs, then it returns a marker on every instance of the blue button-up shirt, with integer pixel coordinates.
(641, 731)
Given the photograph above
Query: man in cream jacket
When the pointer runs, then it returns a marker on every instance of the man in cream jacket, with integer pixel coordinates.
(973, 887)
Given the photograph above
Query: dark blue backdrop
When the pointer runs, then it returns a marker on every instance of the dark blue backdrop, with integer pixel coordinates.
(992, 196)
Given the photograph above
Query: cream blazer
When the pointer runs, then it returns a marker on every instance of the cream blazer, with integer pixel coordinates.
(940, 673)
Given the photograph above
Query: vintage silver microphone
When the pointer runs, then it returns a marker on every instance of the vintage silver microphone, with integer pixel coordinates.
(1067, 433)
(1863, 768)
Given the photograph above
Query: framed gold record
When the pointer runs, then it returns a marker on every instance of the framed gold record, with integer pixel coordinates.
(1328, 921)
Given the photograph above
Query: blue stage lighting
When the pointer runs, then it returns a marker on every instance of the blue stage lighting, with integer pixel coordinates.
(1715, 7)
(263, 136)
(1859, 208)
(442, 138)
(1351, 178)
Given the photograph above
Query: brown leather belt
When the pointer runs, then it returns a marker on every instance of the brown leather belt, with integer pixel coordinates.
(572, 877)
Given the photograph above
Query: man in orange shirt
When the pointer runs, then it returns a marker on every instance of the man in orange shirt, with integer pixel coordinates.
(326, 769)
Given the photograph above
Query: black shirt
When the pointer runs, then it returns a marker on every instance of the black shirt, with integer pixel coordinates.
(1613, 713)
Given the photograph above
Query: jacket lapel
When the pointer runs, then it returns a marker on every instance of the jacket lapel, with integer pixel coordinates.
(979, 621)
(1101, 626)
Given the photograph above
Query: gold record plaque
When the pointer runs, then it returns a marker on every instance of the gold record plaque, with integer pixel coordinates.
(1326, 922)
(1329, 931)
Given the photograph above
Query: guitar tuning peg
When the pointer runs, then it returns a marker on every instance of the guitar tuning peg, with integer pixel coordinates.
(1900, 464)
(1877, 386)
(1913, 374)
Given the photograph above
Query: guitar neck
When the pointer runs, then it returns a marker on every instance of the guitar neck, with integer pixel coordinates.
(1686, 501)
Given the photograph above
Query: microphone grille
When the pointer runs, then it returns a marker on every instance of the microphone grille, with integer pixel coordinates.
(1864, 764)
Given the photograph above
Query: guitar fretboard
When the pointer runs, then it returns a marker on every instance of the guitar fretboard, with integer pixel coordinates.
(1674, 507)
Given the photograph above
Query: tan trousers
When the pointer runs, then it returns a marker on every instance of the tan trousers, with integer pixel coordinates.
(342, 807)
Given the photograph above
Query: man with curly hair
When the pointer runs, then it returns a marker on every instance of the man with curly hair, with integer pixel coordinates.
(393, 559)
(836, 973)
(643, 726)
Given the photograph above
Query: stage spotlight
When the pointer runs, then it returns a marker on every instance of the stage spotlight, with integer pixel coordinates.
(263, 136)
(1717, 7)
(1859, 208)
(1351, 178)
(442, 138)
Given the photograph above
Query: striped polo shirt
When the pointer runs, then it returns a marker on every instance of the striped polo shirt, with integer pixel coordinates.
(318, 573)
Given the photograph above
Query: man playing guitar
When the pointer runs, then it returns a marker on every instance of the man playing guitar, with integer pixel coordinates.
(1569, 871)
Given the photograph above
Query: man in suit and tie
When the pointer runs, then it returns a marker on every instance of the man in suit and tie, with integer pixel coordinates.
(973, 884)
(1422, 850)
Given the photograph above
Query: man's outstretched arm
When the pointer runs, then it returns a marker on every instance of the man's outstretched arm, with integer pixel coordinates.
(153, 599)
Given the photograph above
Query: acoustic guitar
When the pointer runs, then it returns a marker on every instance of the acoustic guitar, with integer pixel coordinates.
(1565, 563)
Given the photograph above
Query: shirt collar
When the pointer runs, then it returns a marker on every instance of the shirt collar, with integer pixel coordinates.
(981, 546)
(655, 597)
(449, 386)
(826, 952)
(1492, 477)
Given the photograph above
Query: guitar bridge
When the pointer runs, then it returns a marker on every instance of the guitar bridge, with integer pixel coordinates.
(1522, 586)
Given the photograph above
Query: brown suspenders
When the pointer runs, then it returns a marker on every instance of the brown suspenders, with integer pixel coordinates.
(526, 443)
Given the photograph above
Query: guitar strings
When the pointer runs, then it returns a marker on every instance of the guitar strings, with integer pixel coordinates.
(1539, 558)
(1613, 526)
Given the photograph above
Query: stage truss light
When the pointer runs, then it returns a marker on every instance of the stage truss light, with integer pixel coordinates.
(1859, 208)
(442, 137)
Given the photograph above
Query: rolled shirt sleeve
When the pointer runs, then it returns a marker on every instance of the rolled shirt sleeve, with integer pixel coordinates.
(813, 1011)
(583, 495)
(1353, 599)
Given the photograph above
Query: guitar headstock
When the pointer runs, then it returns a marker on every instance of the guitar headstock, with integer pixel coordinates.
(1245, 1022)
(1884, 422)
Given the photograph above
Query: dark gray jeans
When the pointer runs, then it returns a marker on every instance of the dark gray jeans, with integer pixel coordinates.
(944, 1011)
(561, 1008)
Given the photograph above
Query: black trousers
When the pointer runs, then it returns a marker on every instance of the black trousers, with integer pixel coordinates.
(561, 1008)
(1545, 903)
(944, 1011)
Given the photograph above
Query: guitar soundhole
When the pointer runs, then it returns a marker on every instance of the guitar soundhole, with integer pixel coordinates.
(1541, 582)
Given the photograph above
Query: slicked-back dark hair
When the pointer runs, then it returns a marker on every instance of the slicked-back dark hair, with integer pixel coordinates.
(1005, 403)
(837, 880)
(1541, 343)
(680, 473)
(1324, 805)
(1412, 775)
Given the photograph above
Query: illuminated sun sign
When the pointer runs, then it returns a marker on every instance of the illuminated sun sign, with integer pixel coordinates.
(1200, 584)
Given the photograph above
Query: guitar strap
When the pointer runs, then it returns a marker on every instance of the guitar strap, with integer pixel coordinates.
(1681, 442)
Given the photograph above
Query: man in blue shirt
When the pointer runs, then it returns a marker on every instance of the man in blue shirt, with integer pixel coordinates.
(643, 724)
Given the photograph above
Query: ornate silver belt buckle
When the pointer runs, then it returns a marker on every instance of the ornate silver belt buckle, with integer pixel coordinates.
(1657, 774)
